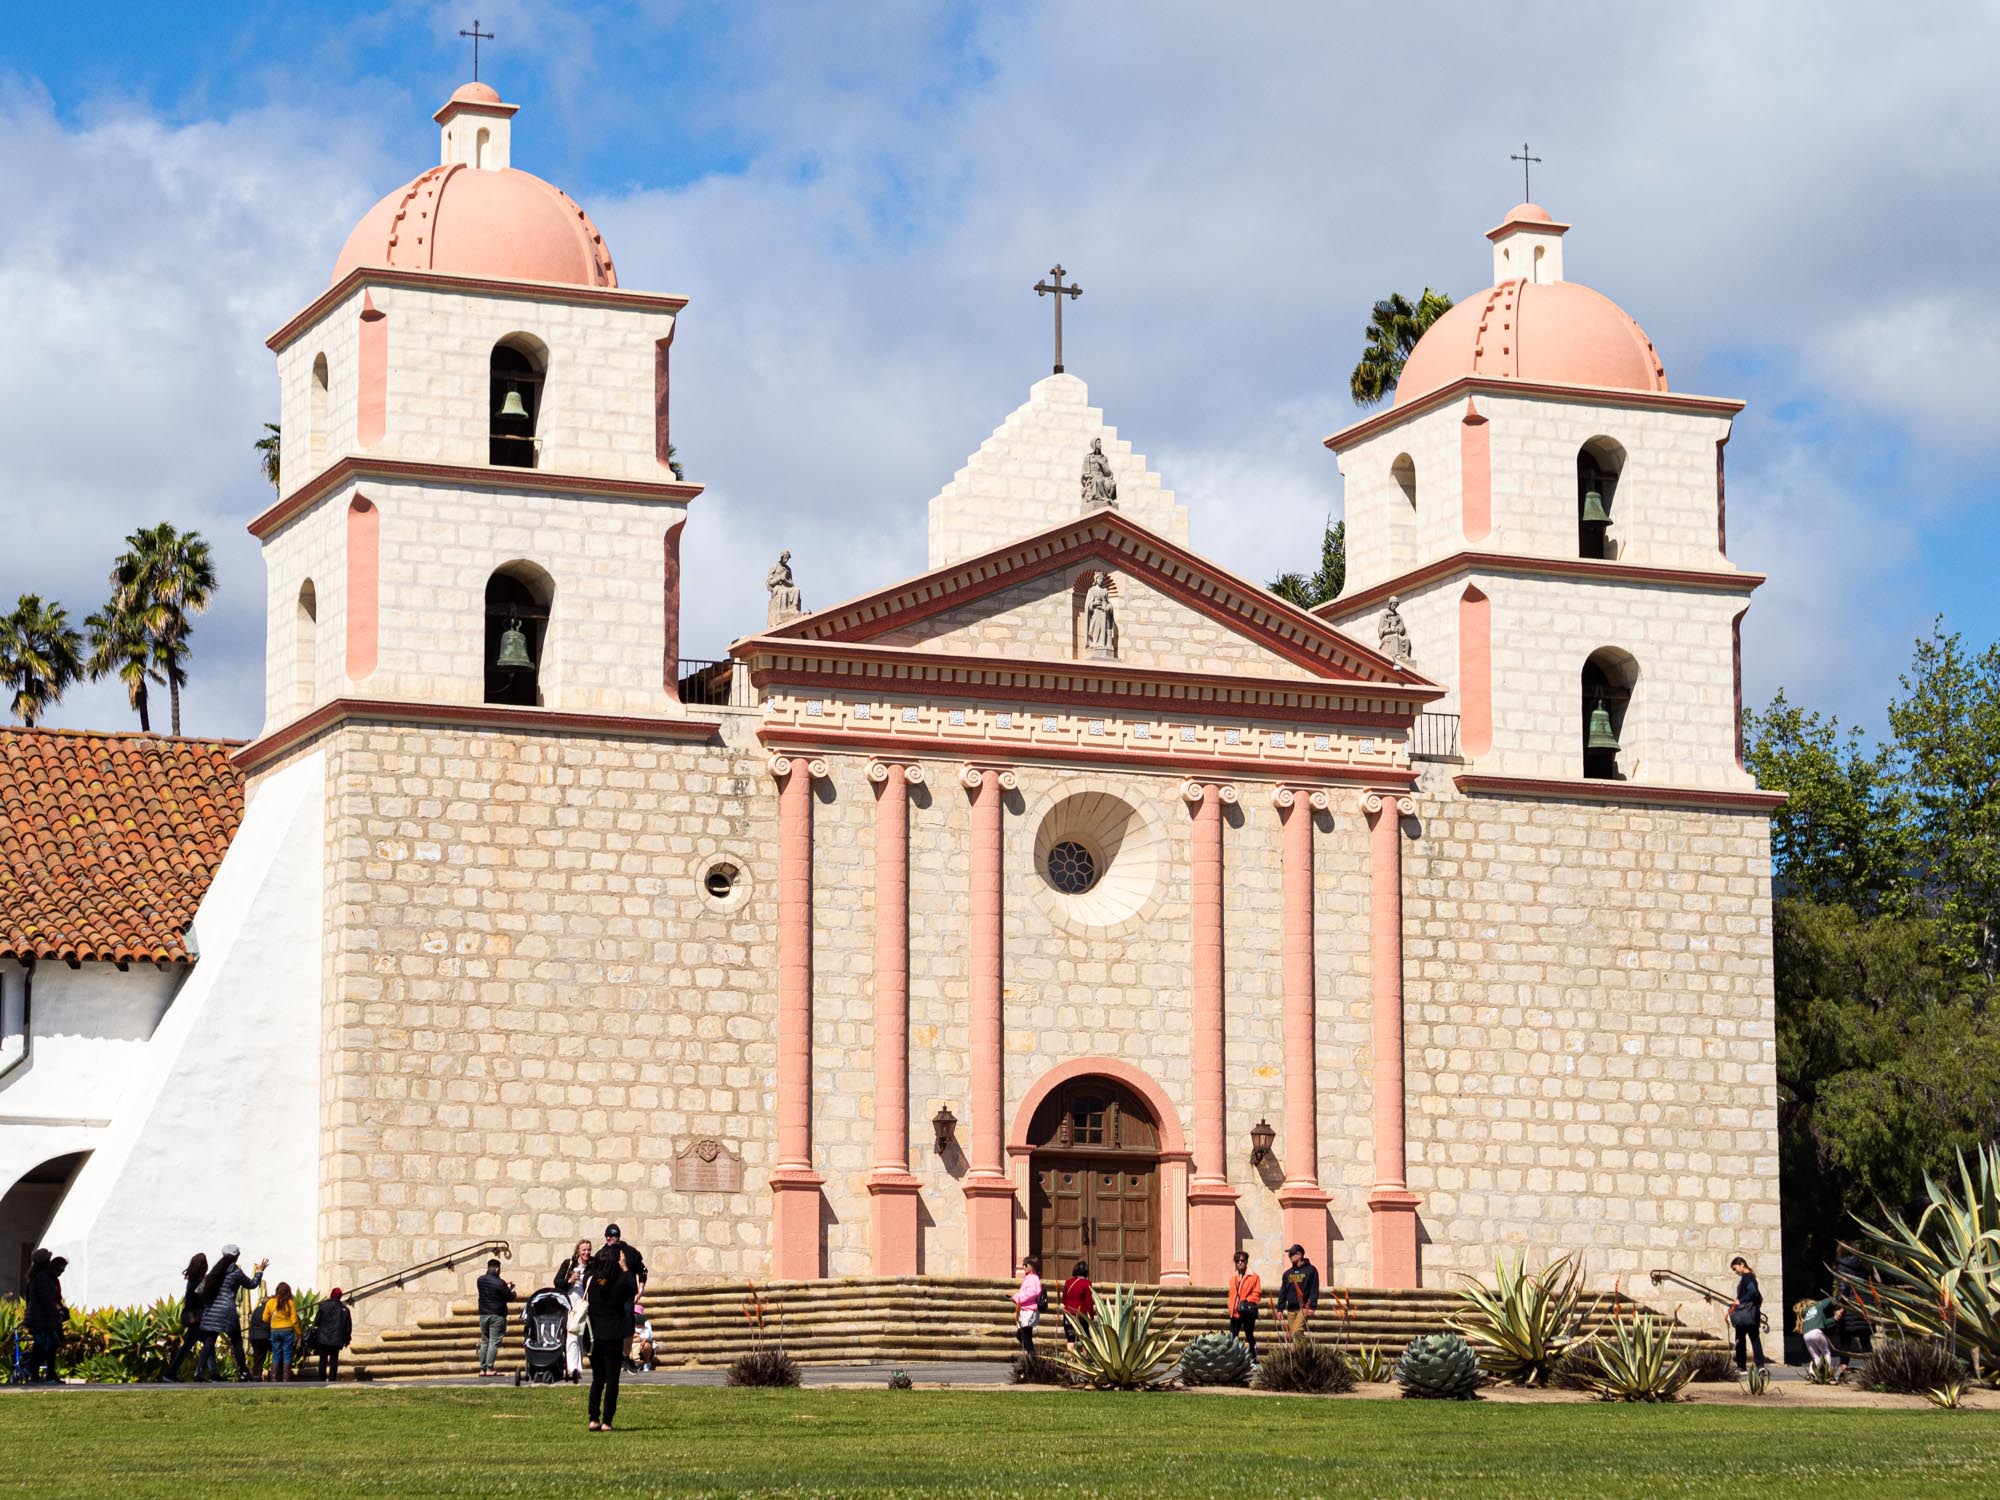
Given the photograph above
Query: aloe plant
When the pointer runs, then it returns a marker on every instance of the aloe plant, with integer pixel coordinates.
(1120, 1349)
(1756, 1380)
(1635, 1361)
(133, 1339)
(1523, 1325)
(1940, 1278)
(1949, 1396)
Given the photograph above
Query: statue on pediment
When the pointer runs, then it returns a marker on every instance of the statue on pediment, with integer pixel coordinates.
(1100, 488)
(785, 601)
(1393, 635)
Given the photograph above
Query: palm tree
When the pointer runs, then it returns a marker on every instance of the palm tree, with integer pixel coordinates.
(1326, 583)
(673, 462)
(267, 452)
(1392, 332)
(38, 656)
(121, 648)
(164, 580)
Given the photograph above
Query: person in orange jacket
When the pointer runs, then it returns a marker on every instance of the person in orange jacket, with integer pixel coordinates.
(1246, 1297)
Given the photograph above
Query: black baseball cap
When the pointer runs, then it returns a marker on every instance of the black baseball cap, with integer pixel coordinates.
(1296, 1250)
(611, 1232)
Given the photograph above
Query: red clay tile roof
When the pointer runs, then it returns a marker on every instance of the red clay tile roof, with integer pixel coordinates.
(108, 841)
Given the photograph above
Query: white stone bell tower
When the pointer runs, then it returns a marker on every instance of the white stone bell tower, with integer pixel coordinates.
(1550, 519)
(475, 420)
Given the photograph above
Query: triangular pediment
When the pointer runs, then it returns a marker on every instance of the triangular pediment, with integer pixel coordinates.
(1173, 612)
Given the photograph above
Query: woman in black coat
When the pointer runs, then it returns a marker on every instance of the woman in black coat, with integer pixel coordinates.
(1852, 1283)
(1746, 1312)
(608, 1300)
(44, 1315)
(191, 1310)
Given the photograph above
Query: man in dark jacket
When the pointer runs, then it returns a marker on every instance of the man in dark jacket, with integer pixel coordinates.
(494, 1295)
(635, 1263)
(44, 1315)
(1298, 1291)
(333, 1331)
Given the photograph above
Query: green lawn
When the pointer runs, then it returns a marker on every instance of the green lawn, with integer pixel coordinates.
(683, 1441)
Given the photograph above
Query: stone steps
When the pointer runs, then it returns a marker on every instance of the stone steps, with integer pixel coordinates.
(873, 1320)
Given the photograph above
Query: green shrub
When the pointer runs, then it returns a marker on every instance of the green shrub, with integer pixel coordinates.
(1368, 1363)
(1439, 1367)
(1215, 1359)
(133, 1339)
(84, 1338)
(1303, 1363)
(1521, 1326)
(1756, 1380)
(1120, 1349)
(1039, 1369)
(1578, 1369)
(764, 1367)
(900, 1381)
(1636, 1361)
(1909, 1367)
(101, 1369)
(1711, 1364)
(1950, 1396)
(1822, 1372)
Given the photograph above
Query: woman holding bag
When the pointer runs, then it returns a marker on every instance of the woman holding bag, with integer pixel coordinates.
(572, 1280)
(1746, 1312)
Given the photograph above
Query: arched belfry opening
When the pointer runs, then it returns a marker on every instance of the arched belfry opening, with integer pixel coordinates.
(1599, 463)
(1094, 1181)
(1403, 511)
(518, 372)
(1610, 676)
(519, 599)
(305, 647)
(316, 429)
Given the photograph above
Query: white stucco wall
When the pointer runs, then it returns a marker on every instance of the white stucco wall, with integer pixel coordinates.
(215, 1136)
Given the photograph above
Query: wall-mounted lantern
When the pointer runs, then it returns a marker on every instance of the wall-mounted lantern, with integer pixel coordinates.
(944, 1122)
(1261, 1137)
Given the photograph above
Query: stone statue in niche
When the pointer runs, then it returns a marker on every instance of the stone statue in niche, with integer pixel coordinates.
(785, 602)
(1100, 489)
(1393, 634)
(1100, 625)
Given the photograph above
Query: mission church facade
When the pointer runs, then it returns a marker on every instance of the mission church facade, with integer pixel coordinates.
(1074, 896)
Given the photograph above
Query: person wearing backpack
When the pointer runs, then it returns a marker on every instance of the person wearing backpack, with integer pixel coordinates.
(333, 1331)
(1298, 1291)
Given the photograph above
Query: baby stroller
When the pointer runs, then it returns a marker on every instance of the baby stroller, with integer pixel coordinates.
(545, 1324)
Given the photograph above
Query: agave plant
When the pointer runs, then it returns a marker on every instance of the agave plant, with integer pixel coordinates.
(133, 1339)
(1522, 1326)
(1636, 1361)
(1369, 1363)
(1822, 1372)
(1940, 1278)
(1215, 1359)
(1949, 1396)
(11, 1309)
(1756, 1380)
(1120, 1349)
(1439, 1367)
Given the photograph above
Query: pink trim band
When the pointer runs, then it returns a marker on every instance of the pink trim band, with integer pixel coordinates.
(469, 716)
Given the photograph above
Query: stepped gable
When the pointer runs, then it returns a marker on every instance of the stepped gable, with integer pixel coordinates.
(108, 842)
(1027, 476)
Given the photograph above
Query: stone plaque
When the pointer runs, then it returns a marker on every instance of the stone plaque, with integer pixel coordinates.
(707, 1166)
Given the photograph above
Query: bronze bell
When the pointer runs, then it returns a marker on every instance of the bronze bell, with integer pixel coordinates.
(514, 650)
(512, 406)
(1602, 736)
(1593, 507)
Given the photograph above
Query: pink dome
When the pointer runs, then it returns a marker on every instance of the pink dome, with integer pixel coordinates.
(475, 93)
(466, 222)
(1557, 333)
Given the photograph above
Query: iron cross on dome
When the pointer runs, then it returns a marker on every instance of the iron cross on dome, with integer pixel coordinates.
(1043, 289)
(477, 36)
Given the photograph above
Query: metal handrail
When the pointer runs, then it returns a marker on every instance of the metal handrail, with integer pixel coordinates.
(1706, 1293)
(443, 1262)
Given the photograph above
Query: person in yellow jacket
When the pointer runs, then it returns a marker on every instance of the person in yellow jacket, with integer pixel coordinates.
(282, 1311)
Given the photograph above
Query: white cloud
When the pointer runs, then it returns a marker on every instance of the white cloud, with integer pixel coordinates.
(1774, 185)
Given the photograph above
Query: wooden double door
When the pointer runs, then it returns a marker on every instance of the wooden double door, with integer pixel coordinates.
(1096, 1184)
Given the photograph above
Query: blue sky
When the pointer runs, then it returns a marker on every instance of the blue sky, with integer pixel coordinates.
(1796, 201)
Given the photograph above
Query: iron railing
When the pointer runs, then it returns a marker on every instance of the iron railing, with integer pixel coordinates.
(706, 684)
(1706, 1293)
(483, 1250)
(1435, 737)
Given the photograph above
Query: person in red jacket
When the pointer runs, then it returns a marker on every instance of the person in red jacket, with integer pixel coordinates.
(1079, 1302)
(1246, 1299)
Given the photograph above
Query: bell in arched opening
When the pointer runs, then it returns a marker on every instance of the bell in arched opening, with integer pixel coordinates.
(513, 655)
(1601, 735)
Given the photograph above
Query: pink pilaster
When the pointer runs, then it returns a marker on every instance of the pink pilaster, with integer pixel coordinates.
(989, 1192)
(795, 1186)
(892, 1190)
(1301, 1200)
(1392, 1207)
(1211, 1200)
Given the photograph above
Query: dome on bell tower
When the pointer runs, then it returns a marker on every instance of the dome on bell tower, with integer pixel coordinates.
(474, 214)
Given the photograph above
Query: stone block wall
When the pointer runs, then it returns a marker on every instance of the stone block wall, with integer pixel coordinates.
(1590, 1037)
(1026, 477)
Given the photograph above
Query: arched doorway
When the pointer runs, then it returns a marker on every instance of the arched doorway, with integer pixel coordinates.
(26, 1210)
(1094, 1181)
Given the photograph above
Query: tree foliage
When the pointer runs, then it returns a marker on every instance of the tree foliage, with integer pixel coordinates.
(40, 656)
(1323, 584)
(1887, 885)
(163, 580)
(1392, 332)
(268, 452)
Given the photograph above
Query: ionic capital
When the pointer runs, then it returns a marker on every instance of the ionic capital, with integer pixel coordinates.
(972, 777)
(1375, 799)
(780, 766)
(1225, 791)
(1283, 797)
(913, 774)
